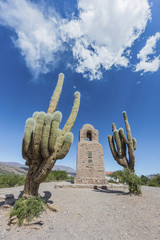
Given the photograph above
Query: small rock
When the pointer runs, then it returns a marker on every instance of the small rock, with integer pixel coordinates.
(6, 206)
(35, 227)
(38, 223)
(13, 220)
(34, 224)
(53, 207)
(79, 214)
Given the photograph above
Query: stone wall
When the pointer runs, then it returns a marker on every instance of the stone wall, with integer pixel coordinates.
(90, 162)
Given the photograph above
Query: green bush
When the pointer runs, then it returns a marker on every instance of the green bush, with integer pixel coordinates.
(111, 181)
(133, 181)
(58, 176)
(27, 208)
(144, 180)
(70, 179)
(11, 180)
(154, 182)
(118, 175)
(130, 178)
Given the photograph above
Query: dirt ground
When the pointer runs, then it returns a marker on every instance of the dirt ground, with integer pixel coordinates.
(89, 214)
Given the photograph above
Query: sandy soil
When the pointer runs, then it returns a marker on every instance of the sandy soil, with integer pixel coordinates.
(88, 214)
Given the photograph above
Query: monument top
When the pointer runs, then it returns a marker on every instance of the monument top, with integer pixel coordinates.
(88, 133)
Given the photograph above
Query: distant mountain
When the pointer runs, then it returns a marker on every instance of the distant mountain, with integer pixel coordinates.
(18, 168)
(64, 168)
(8, 169)
(16, 164)
(152, 175)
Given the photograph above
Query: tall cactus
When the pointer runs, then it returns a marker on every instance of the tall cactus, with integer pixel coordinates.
(119, 152)
(44, 142)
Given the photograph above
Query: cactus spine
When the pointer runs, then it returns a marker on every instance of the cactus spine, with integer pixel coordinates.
(44, 142)
(119, 139)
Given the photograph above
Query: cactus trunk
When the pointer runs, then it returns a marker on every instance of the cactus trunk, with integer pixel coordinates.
(31, 188)
(44, 142)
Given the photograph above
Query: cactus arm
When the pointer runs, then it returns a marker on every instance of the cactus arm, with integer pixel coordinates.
(128, 129)
(134, 143)
(30, 125)
(123, 145)
(120, 160)
(118, 142)
(113, 127)
(54, 130)
(56, 95)
(35, 115)
(130, 143)
(121, 132)
(70, 122)
(112, 147)
(45, 135)
(66, 146)
(37, 135)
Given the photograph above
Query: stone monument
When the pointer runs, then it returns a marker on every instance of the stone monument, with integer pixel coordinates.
(90, 162)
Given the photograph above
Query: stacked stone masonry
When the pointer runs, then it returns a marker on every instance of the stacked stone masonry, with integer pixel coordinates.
(90, 162)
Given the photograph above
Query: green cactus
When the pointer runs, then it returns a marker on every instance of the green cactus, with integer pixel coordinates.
(44, 142)
(119, 139)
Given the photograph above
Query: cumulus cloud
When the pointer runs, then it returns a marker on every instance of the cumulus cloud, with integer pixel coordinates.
(147, 64)
(37, 34)
(103, 31)
(99, 37)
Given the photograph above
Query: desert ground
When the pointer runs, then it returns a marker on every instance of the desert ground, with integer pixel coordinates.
(88, 214)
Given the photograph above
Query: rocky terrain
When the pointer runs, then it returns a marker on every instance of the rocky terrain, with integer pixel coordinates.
(89, 214)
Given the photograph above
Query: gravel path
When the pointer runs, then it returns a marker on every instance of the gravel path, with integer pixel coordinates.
(88, 214)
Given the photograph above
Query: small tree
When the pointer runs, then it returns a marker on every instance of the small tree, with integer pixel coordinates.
(119, 139)
(44, 142)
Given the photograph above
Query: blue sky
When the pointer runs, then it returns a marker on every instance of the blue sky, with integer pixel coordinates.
(107, 50)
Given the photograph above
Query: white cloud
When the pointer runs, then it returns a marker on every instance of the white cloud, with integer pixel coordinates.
(100, 37)
(147, 64)
(103, 31)
(37, 35)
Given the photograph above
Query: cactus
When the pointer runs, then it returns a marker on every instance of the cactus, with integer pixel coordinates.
(44, 142)
(119, 152)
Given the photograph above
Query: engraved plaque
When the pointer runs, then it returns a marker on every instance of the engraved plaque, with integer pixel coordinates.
(90, 154)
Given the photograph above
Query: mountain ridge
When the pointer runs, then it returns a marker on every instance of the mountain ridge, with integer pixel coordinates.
(21, 169)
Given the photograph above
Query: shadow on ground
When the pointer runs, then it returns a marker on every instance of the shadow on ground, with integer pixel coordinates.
(47, 196)
(111, 191)
(9, 199)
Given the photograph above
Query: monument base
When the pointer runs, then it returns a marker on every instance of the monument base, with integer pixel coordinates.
(87, 180)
